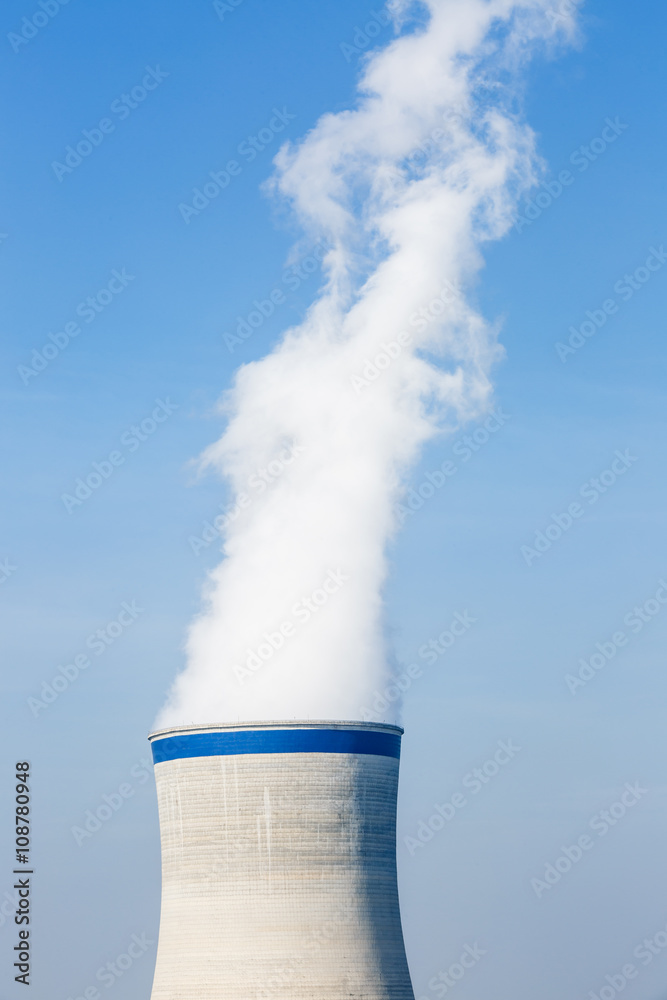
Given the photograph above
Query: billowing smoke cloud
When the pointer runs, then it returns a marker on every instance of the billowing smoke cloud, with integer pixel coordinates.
(404, 190)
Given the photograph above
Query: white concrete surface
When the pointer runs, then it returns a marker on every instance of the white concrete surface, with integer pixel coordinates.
(279, 875)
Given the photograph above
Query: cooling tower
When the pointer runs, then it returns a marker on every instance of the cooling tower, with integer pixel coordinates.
(279, 862)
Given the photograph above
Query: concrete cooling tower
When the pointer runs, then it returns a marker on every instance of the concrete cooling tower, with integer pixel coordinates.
(279, 862)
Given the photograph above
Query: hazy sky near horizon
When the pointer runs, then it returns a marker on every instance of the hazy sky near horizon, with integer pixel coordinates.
(532, 589)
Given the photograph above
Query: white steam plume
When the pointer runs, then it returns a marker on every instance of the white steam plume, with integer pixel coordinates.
(404, 189)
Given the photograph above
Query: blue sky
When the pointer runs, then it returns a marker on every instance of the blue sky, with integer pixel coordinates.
(159, 345)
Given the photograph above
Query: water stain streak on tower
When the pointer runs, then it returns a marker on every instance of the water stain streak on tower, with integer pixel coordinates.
(279, 862)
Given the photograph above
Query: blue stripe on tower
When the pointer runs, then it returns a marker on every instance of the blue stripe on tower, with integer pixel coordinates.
(276, 741)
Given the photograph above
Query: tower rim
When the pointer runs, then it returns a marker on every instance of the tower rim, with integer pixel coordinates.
(267, 724)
